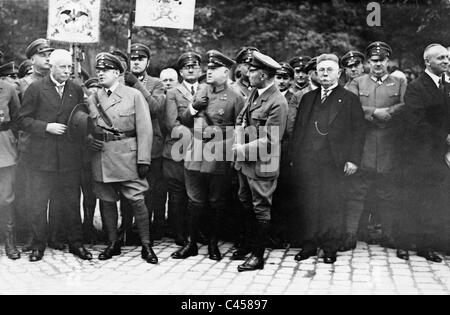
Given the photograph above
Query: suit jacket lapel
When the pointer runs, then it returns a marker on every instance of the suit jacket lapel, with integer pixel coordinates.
(335, 103)
(50, 89)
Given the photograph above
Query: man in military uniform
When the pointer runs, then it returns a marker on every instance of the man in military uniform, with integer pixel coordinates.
(311, 69)
(8, 73)
(154, 94)
(261, 126)
(207, 177)
(353, 65)
(54, 160)
(178, 100)
(243, 58)
(9, 108)
(122, 140)
(38, 52)
(381, 96)
(301, 80)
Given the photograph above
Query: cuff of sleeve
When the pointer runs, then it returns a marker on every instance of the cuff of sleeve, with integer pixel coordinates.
(192, 110)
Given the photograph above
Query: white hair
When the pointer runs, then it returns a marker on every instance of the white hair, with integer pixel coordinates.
(427, 53)
(169, 73)
(60, 55)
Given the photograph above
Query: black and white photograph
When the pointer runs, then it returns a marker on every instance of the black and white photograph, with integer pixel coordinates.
(224, 154)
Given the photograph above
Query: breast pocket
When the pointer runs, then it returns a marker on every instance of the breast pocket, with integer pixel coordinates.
(127, 121)
(259, 118)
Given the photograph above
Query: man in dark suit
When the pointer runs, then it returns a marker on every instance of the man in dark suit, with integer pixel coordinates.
(327, 145)
(178, 100)
(54, 160)
(426, 140)
(260, 128)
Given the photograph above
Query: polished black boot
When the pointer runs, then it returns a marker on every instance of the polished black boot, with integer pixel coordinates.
(148, 254)
(113, 249)
(256, 260)
(244, 247)
(10, 244)
(213, 250)
(190, 249)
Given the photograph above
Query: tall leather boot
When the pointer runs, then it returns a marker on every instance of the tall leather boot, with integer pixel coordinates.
(256, 260)
(10, 243)
(143, 224)
(110, 217)
(191, 248)
(245, 247)
(213, 245)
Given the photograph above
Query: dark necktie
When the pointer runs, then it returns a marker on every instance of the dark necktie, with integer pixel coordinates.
(325, 95)
(109, 93)
(60, 90)
(192, 90)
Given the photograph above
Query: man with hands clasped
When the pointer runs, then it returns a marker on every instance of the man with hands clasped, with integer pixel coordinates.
(327, 146)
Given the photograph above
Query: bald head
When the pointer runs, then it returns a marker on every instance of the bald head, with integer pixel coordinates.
(436, 58)
(61, 65)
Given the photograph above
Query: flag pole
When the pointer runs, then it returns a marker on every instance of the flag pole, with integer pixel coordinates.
(131, 12)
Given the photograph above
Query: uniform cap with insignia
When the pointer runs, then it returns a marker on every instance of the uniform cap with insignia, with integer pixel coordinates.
(380, 49)
(108, 61)
(352, 58)
(299, 62)
(92, 82)
(216, 60)
(245, 55)
(120, 54)
(189, 59)
(286, 69)
(8, 69)
(25, 68)
(264, 62)
(38, 46)
(311, 65)
(140, 50)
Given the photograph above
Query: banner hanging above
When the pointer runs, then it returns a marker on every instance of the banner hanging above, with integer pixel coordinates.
(165, 13)
(75, 21)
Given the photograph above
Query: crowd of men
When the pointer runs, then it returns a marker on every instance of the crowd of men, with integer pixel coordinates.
(323, 151)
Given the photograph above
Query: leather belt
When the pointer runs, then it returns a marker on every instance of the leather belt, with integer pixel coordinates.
(5, 126)
(109, 137)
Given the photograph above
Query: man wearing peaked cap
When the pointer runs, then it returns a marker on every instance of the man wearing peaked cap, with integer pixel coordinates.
(300, 75)
(9, 108)
(121, 145)
(243, 59)
(38, 52)
(310, 68)
(264, 116)
(381, 95)
(353, 64)
(8, 73)
(283, 79)
(153, 91)
(215, 107)
(178, 100)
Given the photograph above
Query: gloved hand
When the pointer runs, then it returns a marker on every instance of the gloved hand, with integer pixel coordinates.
(201, 103)
(94, 144)
(130, 79)
(143, 170)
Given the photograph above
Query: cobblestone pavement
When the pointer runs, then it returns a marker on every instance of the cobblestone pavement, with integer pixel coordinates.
(367, 270)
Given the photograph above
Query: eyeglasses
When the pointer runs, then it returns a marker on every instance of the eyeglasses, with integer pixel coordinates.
(282, 77)
(191, 67)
